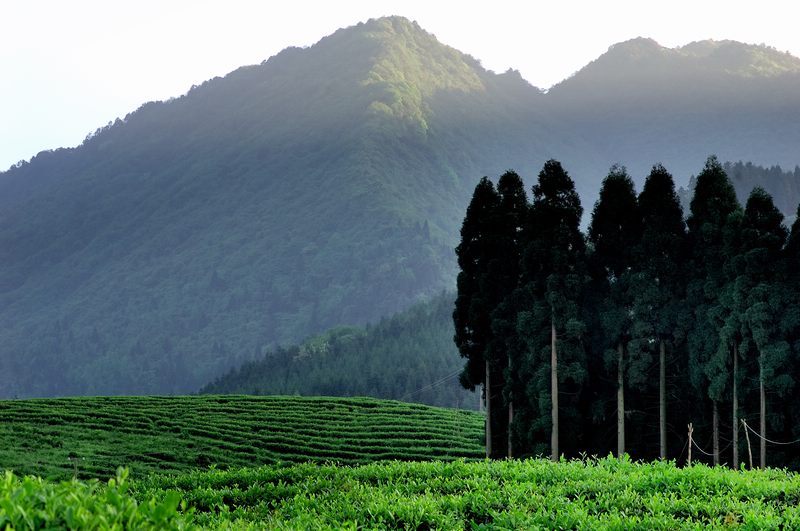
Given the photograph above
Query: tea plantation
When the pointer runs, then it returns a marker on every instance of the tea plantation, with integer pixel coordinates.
(92, 437)
(324, 463)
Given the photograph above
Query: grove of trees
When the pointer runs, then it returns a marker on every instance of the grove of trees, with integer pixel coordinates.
(616, 339)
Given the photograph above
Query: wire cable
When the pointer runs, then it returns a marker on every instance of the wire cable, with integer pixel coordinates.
(701, 450)
(767, 440)
(431, 385)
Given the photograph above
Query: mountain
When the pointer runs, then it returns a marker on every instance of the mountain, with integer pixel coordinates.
(641, 103)
(409, 356)
(325, 187)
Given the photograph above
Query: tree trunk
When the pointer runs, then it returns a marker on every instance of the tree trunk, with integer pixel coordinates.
(553, 390)
(662, 399)
(715, 421)
(509, 382)
(763, 420)
(735, 434)
(487, 391)
(510, 420)
(620, 400)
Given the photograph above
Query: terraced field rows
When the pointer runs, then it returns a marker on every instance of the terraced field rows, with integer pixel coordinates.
(91, 437)
(533, 494)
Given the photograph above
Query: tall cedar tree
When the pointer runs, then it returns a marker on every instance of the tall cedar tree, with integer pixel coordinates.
(614, 233)
(476, 298)
(489, 259)
(713, 203)
(761, 286)
(729, 312)
(659, 282)
(554, 274)
(791, 327)
(511, 221)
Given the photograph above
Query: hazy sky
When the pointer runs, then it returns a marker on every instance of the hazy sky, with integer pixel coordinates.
(69, 67)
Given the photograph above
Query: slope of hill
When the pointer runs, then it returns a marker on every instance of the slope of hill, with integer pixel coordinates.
(783, 186)
(410, 356)
(326, 187)
(323, 187)
(641, 103)
(91, 437)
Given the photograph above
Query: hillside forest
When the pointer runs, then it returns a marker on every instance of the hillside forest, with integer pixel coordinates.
(325, 187)
(409, 356)
(616, 339)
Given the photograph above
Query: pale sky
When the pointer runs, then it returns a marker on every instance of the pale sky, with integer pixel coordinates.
(69, 67)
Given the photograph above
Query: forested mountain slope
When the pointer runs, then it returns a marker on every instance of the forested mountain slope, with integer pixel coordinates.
(642, 103)
(320, 188)
(323, 187)
(410, 356)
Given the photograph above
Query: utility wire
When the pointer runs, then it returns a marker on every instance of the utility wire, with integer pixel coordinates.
(769, 441)
(701, 450)
(431, 385)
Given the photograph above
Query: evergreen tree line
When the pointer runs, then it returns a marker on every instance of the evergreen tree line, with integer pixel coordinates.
(409, 356)
(617, 339)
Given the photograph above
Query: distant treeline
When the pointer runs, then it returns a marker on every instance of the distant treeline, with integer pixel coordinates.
(409, 356)
(617, 339)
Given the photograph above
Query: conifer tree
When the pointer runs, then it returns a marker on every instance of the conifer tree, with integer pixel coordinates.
(489, 259)
(659, 280)
(475, 299)
(762, 291)
(713, 203)
(614, 233)
(512, 217)
(553, 273)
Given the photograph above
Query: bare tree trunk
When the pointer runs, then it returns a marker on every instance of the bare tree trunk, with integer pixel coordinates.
(553, 390)
(510, 408)
(510, 420)
(662, 399)
(487, 391)
(620, 400)
(735, 439)
(763, 420)
(715, 421)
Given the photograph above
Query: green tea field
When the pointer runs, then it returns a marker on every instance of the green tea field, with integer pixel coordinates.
(92, 437)
(530, 494)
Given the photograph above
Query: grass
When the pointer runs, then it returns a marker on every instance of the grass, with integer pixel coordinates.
(91, 437)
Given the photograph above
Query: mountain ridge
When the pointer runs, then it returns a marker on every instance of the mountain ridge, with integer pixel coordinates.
(323, 187)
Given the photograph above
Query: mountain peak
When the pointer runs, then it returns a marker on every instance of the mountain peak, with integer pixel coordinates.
(740, 59)
(637, 47)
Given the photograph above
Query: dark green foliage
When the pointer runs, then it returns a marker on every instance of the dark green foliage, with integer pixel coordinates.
(650, 296)
(760, 296)
(660, 257)
(713, 204)
(552, 279)
(410, 356)
(614, 235)
(616, 225)
(91, 437)
(476, 297)
(489, 258)
(658, 310)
